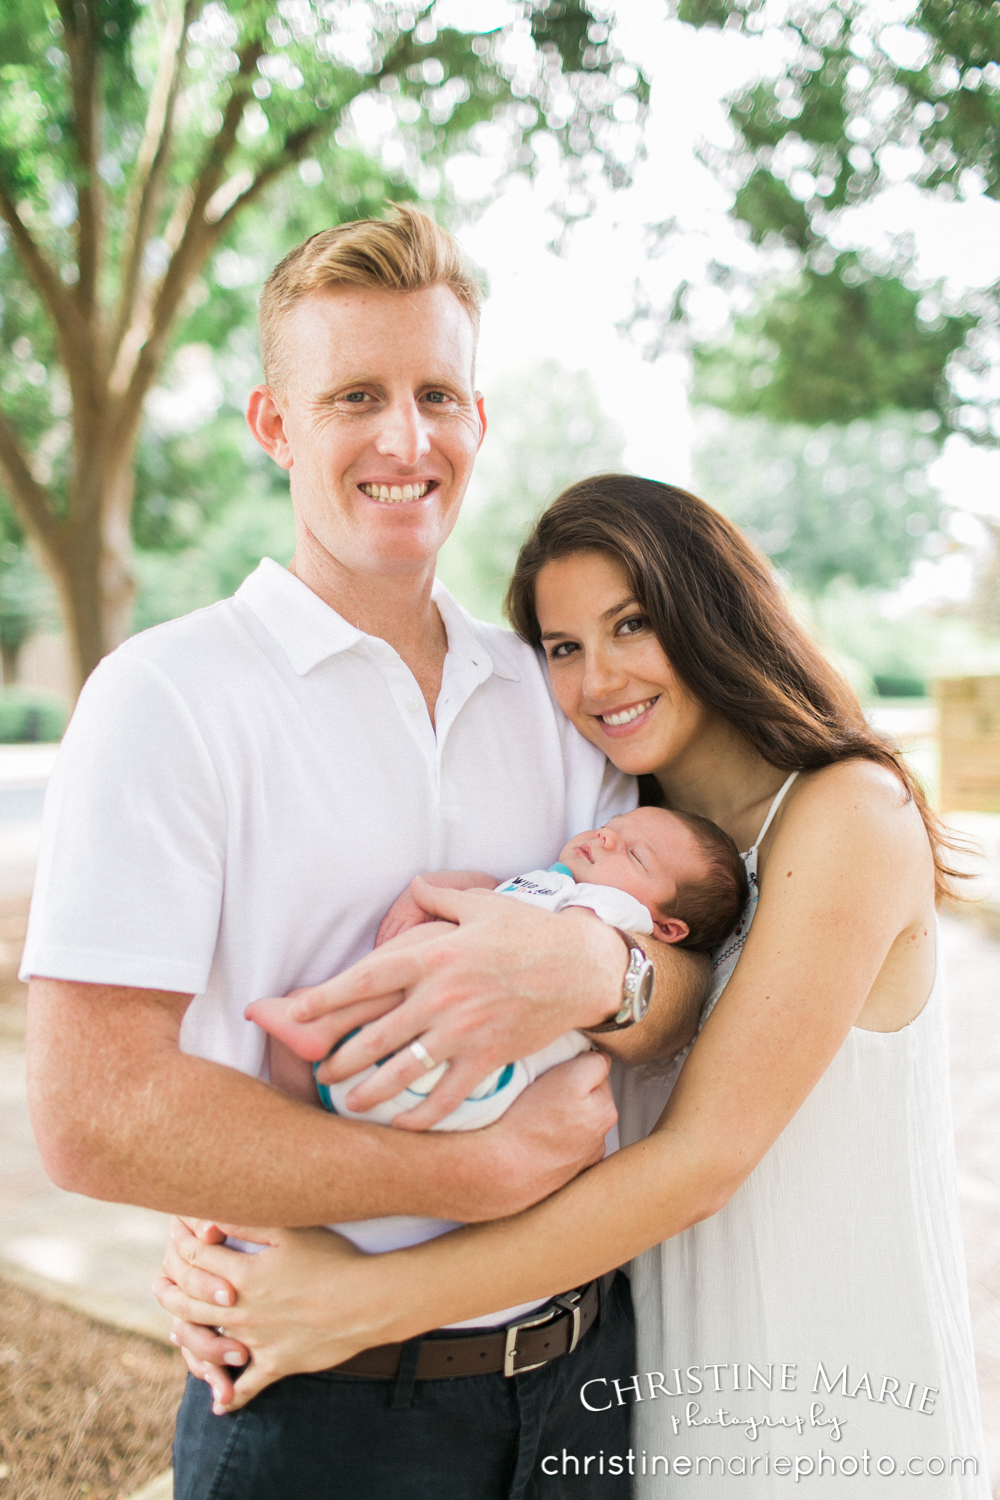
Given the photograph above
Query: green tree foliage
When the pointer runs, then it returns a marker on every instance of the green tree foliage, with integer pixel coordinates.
(896, 653)
(26, 599)
(830, 503)
(862, 103)
(833, 346)
(546, 429)
(845, 512)
(135, 142)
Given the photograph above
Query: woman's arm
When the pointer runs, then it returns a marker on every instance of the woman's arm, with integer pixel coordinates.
(848, 882)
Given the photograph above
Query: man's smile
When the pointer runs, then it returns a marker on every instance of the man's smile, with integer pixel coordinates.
(396, 494)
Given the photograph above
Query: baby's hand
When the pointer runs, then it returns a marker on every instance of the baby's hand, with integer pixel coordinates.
(403, 914)
(406, 911)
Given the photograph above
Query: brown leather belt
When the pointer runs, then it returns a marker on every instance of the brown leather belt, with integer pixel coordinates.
(526, 1344)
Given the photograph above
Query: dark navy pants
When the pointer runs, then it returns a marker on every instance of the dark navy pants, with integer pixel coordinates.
(486, 1437)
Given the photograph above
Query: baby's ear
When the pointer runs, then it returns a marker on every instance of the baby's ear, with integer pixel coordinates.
(670, 929)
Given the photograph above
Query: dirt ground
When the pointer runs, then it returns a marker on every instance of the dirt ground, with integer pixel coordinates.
(85, 1410)
(13, 920)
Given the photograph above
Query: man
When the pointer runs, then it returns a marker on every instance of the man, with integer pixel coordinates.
(243, 792)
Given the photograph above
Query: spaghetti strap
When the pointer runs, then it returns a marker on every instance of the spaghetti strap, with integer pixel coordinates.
(771, 812)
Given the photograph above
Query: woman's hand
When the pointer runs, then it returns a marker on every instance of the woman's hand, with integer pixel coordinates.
(275, 1305)
(203, 1294)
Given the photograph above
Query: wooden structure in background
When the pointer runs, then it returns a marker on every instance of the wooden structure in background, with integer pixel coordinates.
(969, 736)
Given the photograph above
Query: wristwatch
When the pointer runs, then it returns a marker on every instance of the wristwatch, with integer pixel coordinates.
(637, 988)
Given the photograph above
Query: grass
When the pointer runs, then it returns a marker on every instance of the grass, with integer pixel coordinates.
(85, 1410)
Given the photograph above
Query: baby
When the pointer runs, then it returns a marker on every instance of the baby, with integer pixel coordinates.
(669, 874)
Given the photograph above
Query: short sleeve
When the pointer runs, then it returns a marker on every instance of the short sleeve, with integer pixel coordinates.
(130, 873)
(611, 905)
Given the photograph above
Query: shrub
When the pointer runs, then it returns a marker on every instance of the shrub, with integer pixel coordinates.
(28, 717)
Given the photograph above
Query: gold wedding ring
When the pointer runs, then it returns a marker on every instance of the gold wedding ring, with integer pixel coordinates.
(422, 1055)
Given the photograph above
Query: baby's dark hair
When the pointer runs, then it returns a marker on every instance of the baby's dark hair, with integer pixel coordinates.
(710, 905)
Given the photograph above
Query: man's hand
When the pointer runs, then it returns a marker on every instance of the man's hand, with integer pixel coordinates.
(209, 1354)
(274, 1312)
(510, 981)
(407, 912)
(507, 983)
(528, 1146)
(313, 1040)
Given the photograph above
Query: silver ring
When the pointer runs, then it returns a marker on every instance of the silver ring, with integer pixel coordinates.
(422, 1055)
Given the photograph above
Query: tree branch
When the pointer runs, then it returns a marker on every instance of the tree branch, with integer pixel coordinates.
(151, 162)
(30, 498)
(40, 272)
(79, 25)
(194, 245)
(293, 150)
(220, 150)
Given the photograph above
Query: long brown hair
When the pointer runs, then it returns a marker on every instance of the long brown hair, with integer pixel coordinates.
(714, 605)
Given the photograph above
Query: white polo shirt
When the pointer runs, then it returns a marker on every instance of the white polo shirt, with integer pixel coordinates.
(242, 793)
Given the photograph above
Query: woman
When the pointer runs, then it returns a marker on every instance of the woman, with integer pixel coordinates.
(799, 1282)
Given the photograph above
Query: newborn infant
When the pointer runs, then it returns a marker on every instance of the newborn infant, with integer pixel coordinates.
(672, 875)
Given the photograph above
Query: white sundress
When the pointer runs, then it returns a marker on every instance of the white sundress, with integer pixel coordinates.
(813, 1337)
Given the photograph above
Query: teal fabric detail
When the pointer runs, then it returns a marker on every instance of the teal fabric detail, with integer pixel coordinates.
(558, 869)
(501, 1083)
(323, 1091)
(321, 1088)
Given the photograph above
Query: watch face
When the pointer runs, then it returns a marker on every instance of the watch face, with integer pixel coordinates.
(644, 991)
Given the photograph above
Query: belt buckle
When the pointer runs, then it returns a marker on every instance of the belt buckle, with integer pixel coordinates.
(513, 1329)
(570, 1302)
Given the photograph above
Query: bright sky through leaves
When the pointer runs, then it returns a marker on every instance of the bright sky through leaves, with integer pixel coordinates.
(566, 308)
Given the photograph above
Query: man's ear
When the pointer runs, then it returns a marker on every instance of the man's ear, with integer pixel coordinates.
(481, 409)
(670, 929)
(267, 423)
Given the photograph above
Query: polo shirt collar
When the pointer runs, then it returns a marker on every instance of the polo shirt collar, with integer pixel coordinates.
(309, 631)
(466, 637)
(306, 629)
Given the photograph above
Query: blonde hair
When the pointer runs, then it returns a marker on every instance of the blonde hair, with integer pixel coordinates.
(406, 252)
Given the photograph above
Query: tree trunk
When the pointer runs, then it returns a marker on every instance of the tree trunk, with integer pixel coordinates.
(9, 654)
(96, 617)
(93, 565)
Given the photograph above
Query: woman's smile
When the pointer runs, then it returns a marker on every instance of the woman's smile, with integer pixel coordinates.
(622, 721)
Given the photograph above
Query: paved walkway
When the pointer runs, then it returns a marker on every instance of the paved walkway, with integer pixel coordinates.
(973, 957)
(101, 1257)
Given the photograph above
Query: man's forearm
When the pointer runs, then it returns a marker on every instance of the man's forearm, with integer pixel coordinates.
(681, 984)
(121, 1114)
